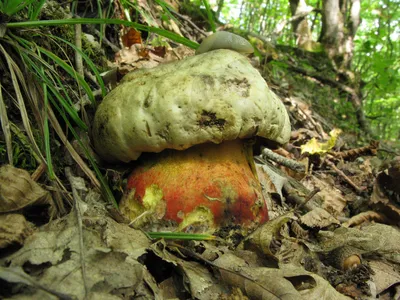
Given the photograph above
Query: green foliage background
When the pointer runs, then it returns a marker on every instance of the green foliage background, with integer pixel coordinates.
(376, 57)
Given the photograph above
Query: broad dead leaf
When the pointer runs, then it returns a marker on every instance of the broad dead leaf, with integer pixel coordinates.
(385, 275)
(14, 229)
(386, 193)
(197, 279)
(288, 282)
(333, 200)
(131, 37)
(318, 218)
(18, 190)
(111, 250)
(271, 181)
(371, 239)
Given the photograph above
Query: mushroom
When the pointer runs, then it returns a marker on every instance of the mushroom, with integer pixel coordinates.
(194, 119)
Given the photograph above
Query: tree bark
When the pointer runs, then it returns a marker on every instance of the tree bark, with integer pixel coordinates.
(340, 21)
(332, 35)
(337, 35)
(301, 29)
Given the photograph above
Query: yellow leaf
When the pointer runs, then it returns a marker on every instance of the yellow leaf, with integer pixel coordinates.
(315, 147)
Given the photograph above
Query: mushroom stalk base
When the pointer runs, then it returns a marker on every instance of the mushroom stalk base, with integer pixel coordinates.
(199, 189)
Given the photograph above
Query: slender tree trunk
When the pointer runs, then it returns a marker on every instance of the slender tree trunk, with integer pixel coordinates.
(339, 26)
(300, 25)
(332, 29)
(337, 35)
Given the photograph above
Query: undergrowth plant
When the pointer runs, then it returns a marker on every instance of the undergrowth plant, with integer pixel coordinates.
(46, 86)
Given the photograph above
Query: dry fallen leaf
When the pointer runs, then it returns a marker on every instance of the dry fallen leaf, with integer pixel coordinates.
(131, 37)
(18, 190)
(110, 258)
(385, 197)
(263, 237)
(271, 181)
(371, 239)
(197, 279)
(288, 282)
(385, 275)
(318, 218)
(333, 200)
(14, 229)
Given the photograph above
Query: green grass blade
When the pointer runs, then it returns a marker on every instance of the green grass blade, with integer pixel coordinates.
(209, 15)
(53, 82)
(33, 15)
(89, 63)
(11, 7)
(15, 75)
(166, 7)
(49, 81)
(25, 47)
(165, 33)
(46, 131)
(71, 71)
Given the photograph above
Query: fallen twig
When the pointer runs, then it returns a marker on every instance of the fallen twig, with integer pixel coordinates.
(308, 198)
(78, 44)
(71, 150)
(287, 162)
(344, 176)
(372, 148)
(187, 19)
(77, 200)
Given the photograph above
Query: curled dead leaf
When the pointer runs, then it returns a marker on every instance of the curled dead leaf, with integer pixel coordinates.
(18, 190)
(386, 193)
(14, 229)
(263, 238)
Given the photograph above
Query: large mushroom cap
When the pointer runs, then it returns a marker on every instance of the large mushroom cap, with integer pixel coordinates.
(212, 97)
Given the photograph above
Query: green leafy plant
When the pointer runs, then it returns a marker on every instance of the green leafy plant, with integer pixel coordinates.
(45, 84)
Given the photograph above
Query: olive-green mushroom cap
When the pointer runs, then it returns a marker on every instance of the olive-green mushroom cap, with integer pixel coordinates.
(212, 97)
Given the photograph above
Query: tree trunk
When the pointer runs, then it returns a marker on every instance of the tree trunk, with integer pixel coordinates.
(336, 35)
(301, 29)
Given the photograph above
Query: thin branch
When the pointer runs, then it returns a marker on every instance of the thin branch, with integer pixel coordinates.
(344, 176)
(281, 25)
(77, 200)
(187, 19)
(72, 151)
(103, 39)
(308, 198)
(287, 162)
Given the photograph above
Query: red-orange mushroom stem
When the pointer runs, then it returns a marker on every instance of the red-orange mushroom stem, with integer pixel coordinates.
(199, 189)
